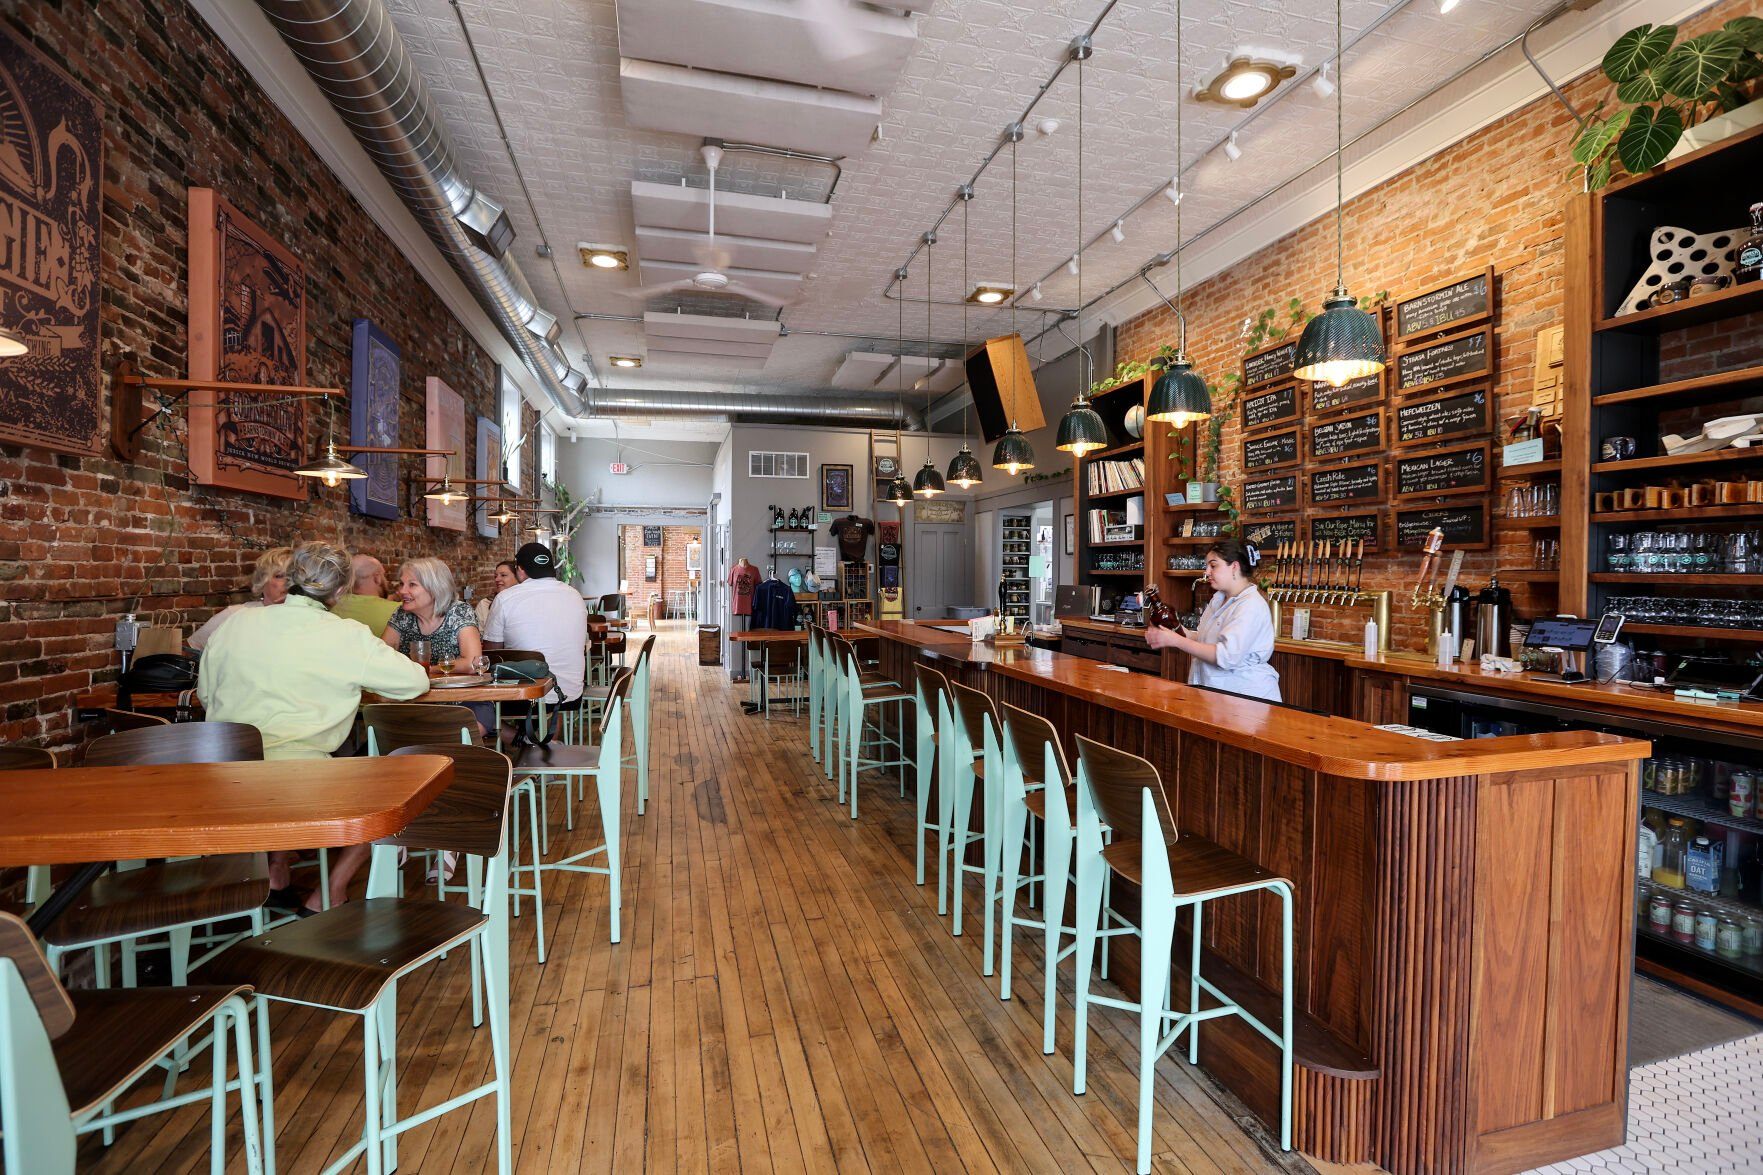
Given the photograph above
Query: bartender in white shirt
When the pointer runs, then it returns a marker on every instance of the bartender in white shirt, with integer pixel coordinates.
(1231, 647)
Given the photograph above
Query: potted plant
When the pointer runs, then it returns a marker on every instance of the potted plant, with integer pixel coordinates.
(1695, 92)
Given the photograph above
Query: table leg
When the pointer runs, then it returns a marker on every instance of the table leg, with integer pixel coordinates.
(63, 896)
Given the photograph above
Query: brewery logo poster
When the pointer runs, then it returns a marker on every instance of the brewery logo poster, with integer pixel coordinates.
(51, 147)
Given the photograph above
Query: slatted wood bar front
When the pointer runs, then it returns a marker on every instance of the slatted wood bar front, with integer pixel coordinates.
(1463, 909)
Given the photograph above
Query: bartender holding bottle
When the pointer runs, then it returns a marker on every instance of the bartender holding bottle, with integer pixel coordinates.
(1230, 648)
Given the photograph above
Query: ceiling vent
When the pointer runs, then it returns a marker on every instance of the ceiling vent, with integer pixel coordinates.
(705, 342)
(662, 97)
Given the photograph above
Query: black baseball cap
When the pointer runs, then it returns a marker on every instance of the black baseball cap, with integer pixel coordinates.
(537, 561)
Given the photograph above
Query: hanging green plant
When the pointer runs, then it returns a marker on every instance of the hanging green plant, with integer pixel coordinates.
(1662, 89)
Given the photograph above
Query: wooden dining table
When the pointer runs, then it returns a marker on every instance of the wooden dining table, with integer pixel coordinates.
(92, 816)
(765, 638)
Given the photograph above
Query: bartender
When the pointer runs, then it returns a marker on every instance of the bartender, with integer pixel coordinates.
(1229, 650)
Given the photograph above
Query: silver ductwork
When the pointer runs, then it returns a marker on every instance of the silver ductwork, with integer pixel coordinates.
(758, 407)
(355, 55)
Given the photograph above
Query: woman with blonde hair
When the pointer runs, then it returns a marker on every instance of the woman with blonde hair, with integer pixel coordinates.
(269, 583)
(432, 611)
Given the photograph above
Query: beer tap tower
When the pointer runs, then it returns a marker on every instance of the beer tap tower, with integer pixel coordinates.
(1329, 574)
(1425, 595)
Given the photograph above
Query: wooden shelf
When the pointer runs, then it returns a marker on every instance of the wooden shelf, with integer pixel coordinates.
(1193, 540)
(1550, 523)
(1683, 513)
(1117, 543)
(1686, 461)
(1526, 575)
(1192, 508)
(1139, 573)
(1696, 630)
(1728, 303)
(1117, 451)
(1675, 579)
(1113, 494)
(1133, 384)
(1535, 468)
(1700, 387)
(1682, 170)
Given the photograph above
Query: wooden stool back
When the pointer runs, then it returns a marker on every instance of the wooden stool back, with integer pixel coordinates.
(934, 685)
(974, 710)
(497, 656)
(181, 742)
(402, 724)
(468, 816)
(18, 944)
(1116, 780)
(26, 759)
(114, 721)
(1028, 736)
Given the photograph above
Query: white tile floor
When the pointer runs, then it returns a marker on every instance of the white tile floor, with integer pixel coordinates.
(1693, 1113)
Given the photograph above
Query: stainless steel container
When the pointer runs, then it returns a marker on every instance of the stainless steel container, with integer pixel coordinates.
(1493, 620)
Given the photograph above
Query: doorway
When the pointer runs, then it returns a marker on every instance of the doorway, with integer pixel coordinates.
(937, 571)
(661, 565)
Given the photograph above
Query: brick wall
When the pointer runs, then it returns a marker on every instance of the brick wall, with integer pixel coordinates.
(84, 539)
(1495, 198)
(670, 566)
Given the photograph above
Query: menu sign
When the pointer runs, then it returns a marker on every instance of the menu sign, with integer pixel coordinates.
(1444, 471)
(1347, 483)
(1464, 357)
(1266, 366)
(1465, 525)
(1326, 398)
(1271, 532)
(1273, 450)
(1271, 493)
(1466, 414)
(1459, 303)
(1364, 525)
(1348, 435)
(1271, 407)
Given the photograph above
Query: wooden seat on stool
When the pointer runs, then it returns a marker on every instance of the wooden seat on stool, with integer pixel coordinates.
(118, 1035)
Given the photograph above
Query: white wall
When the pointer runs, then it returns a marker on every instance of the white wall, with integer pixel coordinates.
(665, 477)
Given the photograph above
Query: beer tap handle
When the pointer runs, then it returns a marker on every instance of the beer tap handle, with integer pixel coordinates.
(1359, 568)
(1278, 571)
(1334, 571)
(1429, 552)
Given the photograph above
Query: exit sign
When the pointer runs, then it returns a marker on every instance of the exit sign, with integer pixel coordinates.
(620, 468)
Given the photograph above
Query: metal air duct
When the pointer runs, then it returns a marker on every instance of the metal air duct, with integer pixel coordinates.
(353, 52)
(758, 407)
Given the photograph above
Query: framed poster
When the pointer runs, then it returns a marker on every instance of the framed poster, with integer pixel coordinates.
(835, 487)
(1071, 534)
(374, 363)
(444, 411)
(50, 168)
(489, 467)
(247, 325)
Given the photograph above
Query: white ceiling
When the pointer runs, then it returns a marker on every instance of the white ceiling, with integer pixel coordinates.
(554, 69)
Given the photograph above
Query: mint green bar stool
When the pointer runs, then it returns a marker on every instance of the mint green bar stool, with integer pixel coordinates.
(931, 748)
(864, 741)
(642, 712)
(812, 729)
(973, 767)
(1124, 793)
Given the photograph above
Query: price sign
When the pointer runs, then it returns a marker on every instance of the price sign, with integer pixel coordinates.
(1366, 524)
(1270, 407)
(1453, 360)
(1462, 470)
(1448, 418)
(1270, 532)
(1347, 436)
(1326, 398)
(1267, 365)
(1465, 525)
(1347, 483)
(1274, 450)
(1271, 493)
(1448, 307)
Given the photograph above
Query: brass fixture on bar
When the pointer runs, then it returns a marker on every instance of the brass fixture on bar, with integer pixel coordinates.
(1331, 573)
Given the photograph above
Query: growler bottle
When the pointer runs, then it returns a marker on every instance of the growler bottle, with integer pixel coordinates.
(1157, 614)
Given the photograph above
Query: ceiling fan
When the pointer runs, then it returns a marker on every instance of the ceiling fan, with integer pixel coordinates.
(713, 279)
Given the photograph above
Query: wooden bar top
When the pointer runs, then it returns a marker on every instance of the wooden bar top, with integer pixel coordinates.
(1333, 746)
(933, 640)
(75, 814)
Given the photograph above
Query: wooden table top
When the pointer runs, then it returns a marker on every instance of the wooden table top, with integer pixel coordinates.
(78, 814)
(779, 636)
(513, 691)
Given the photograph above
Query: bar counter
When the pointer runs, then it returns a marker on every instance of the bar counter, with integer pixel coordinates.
(1464, 910)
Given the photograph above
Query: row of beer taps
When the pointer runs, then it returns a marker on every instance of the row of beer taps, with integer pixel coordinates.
(1323, 572)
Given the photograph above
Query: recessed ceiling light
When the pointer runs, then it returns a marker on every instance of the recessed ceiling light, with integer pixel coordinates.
(604, 256)
(627, 361)
(1244, 82)
(990, 293)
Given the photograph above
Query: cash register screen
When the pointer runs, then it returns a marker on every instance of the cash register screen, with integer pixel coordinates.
(1561, 634)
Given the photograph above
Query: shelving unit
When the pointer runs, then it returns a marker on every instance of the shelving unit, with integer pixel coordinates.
(1111, 561)
(1016, 545)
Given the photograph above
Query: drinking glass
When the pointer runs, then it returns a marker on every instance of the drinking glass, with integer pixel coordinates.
(419, 652)
(480, 664)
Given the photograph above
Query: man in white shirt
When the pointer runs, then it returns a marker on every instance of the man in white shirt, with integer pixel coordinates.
(543, 614)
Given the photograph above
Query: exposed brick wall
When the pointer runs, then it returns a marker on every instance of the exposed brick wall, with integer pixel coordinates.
(670, 566)
(1496, 197)
(81, 540)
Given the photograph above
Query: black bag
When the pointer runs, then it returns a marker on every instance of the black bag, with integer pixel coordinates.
(528, 670)
(156, 673)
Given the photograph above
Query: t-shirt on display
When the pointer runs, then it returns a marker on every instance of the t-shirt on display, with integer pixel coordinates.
(742, 579)
(853, 535)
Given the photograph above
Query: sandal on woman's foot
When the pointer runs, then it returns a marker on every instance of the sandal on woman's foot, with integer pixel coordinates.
(446, 860)
(289, 897)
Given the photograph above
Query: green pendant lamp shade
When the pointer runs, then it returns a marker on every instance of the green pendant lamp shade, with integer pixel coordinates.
(928, 483)
(899, 493)
(1340, 344)
(964, 469)
(1179, 397)
(1013, 453)
(1081, 429)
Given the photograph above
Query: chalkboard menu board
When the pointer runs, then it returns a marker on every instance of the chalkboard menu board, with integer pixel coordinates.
(1465, 414)
(1266, 366)
(1326, 398)
(1447, 307)
(1465, 525)
(1268, 533)
(1270, 493)
(1452, 360)
(1347, 483)
(1347, 435)
(1462, 470)
(651, 536)
(1273, 450)
(1270, 407)
(1364, 524)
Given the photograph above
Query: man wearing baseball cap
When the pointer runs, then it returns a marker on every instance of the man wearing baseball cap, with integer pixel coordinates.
(544, 614)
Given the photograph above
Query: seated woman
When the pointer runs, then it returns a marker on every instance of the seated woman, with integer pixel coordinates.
(269, 583)
(432, 611)
(296, 673)
(1230, 648)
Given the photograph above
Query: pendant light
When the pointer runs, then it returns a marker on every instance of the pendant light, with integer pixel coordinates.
(1180, 396)
(1081, 429)
(1013, 454)
(899, 493)
(12, 344)
(1343, 342)
(331, 469)
(928, 483)
(964, 468)
(445, 493)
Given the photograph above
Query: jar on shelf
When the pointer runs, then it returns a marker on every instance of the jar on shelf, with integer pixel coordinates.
(1659, 912)
(1753, 937)
(1683, 922)
(1707, 930)
(1729, 939)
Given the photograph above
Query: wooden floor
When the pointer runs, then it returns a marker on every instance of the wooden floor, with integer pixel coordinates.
(785, 998)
